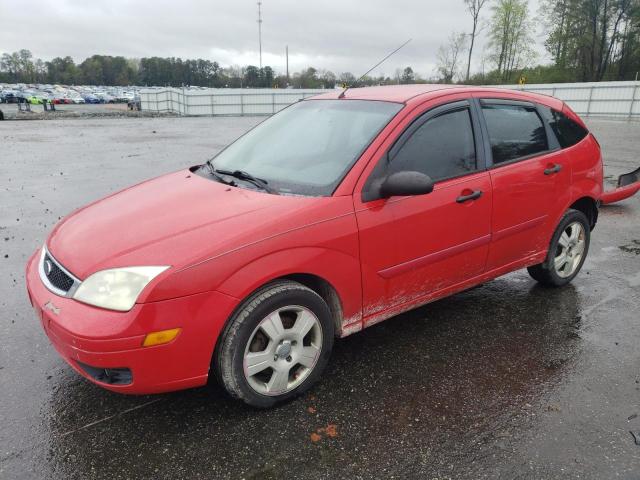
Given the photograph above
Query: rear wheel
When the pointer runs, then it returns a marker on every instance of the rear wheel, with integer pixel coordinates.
(567, 251)
(276, 345)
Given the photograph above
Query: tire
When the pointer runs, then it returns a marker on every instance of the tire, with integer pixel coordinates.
(254, 337)
(563, 262)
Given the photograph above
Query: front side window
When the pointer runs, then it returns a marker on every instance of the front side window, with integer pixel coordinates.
(309, 147)
(442, 147)
(515, 131)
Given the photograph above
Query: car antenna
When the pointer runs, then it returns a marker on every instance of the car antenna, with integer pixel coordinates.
(368, 71)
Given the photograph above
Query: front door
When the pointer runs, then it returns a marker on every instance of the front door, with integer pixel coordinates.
(411, 247)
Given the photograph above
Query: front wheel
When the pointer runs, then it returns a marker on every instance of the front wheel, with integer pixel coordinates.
(567, 251)
(276, 345)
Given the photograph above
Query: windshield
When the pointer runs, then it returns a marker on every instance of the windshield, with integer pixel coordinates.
(308, 148)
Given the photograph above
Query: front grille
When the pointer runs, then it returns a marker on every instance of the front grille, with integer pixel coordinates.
(56, 276)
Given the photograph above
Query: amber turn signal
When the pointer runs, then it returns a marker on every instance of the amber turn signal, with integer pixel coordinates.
(158, 338)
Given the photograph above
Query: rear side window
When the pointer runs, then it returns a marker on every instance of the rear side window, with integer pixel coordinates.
(567, 131)
(515, 131)
(443, 147)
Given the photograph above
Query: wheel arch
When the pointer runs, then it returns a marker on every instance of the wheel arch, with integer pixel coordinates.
(333, 275)
(328, 293)
(314, 282)
(588, 206)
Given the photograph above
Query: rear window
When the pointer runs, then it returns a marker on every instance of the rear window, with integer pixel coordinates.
(567, 131)
(515, 131)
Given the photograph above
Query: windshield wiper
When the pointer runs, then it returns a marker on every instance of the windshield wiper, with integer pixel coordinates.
(220, 178)
(242, 175)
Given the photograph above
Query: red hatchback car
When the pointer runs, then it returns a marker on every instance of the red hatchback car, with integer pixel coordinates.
(332, 215)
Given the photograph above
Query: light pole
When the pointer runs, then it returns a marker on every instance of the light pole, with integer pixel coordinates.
(260, 30)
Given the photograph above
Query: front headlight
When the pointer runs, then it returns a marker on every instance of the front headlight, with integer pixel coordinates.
(117, 288)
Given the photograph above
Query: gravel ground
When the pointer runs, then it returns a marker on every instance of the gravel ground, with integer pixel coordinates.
(506, 380)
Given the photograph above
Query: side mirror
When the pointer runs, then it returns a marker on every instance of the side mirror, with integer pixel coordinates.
(405, 184)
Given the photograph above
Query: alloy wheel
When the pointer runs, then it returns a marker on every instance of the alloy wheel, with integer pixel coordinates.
(282, 350)
(570, 250)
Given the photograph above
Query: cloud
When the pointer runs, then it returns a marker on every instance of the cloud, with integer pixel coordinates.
(335, 35)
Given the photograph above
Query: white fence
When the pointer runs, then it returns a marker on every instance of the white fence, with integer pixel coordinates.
(595, 99)
(604, 99)
(221, 101)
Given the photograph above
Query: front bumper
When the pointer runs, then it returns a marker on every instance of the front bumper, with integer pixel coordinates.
(104, 339)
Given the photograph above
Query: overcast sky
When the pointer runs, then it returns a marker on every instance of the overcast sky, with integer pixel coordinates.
(327, 34)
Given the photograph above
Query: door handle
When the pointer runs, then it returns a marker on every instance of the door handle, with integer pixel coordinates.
(472, 196)
(555, 169)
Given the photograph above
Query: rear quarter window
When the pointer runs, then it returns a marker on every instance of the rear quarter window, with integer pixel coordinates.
(566, 130)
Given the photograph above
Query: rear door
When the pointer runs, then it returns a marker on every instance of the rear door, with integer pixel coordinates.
(413, 246)
(530, 177)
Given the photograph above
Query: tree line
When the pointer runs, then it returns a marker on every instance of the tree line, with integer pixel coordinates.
(587, 40)
(22, 67)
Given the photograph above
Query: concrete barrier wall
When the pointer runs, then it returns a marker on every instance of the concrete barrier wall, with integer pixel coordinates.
(601, 99)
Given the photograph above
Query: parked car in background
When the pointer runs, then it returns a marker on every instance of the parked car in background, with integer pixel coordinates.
(61, 100)
(122, 98)
(62, 94)
(32, 97)
(23, 96)
(92, 99)
(105, 97)
(8, 96)
(43, 96)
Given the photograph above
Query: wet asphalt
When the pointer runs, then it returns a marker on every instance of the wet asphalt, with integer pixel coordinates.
(507, 380)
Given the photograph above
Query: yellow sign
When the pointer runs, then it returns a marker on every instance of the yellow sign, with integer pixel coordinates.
(522, 80)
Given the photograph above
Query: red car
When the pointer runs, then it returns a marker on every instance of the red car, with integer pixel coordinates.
(337, 213)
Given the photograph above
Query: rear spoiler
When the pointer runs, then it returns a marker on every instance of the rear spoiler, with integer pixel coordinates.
(628, 185)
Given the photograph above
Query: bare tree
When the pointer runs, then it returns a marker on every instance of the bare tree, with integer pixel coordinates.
(347, 78)
(474, 7)
(449, 56)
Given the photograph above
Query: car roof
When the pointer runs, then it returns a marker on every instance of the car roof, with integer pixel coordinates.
(389, 93)
(404, 93)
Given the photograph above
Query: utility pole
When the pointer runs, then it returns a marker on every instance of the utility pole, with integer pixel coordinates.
(287, 55)
(260, 30)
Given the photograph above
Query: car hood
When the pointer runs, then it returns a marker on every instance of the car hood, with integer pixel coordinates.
(178, 219)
